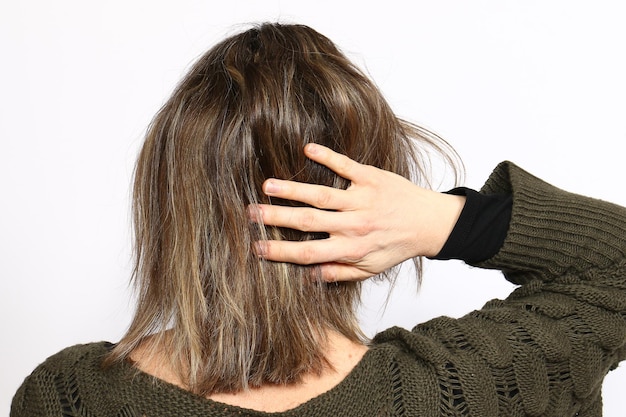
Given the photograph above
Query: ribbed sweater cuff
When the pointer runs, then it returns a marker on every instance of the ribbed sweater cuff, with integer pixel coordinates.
(552, 231)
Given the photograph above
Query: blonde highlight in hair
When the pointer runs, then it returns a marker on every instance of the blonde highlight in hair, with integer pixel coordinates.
(243, 114)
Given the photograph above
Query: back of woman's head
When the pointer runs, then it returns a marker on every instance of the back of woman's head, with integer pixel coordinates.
(243, 114)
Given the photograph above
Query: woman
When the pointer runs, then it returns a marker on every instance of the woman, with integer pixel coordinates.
(231, 320)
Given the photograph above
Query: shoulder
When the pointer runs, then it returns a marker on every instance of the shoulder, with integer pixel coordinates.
(61, 373)
(77, 355)
(72, 359)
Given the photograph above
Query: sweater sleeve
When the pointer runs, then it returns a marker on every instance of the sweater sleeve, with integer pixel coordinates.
(68, 383)
(554, 233)
(566, 324)
(546, 349)
(28, 401)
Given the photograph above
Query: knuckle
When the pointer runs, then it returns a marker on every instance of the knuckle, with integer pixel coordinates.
(306, 222)
(362, 230)
(307, 255)
(363, 227)
(323, 199)
(344, 166)
(358, 254)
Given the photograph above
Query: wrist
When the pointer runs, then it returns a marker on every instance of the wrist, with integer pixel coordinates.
(445, 211)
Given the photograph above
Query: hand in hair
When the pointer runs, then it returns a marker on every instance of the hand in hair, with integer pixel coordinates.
(381, 220)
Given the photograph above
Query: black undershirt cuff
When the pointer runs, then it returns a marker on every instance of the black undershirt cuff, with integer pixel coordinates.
(481, 228)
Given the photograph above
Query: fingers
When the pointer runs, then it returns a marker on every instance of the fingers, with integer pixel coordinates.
(310, 253)
(304, 253)
(332, 272)
(338, 163)
(300, 218)
(337, 260)
(315, 195)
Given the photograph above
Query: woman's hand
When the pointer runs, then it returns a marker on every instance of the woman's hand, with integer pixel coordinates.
(381, 220)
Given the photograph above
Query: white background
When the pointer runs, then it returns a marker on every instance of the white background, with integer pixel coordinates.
(541, 83)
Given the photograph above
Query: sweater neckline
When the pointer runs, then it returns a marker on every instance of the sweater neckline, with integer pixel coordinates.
(143, 383)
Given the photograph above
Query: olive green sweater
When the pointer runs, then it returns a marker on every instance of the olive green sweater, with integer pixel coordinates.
(543, 351)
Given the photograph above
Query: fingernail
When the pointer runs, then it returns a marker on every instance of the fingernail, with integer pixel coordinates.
(254, 213)
(327, 273)
(271, 187)
(260, 249)
(312, 148)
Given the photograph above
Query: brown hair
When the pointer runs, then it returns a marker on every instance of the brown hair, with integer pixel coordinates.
(242, 114)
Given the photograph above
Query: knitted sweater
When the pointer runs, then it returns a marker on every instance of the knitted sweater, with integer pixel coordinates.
(543, 351)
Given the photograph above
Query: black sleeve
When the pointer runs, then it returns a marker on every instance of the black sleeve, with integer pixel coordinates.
(481, 228)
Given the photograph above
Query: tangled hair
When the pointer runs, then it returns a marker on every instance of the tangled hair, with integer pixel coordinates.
(243, 114)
